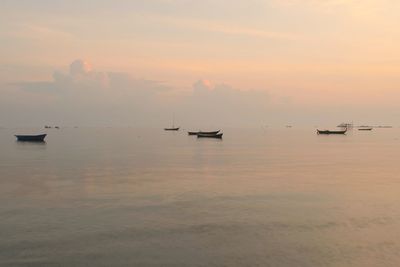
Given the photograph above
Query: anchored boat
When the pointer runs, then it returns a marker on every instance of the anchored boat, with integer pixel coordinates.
(332, 132)
(201, 132)
(172, 129)
(31, 138)
(202, 135)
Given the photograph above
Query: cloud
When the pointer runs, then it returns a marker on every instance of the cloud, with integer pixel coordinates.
(80, 75)
(83, 95)
(89, 97)
(221, 104)
(80, 67)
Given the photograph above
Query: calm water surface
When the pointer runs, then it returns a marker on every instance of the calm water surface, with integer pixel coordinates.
(263, 197)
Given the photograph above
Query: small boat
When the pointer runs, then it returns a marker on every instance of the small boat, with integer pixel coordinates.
(332, 132)
(31, 138)
(365, 129)
(202, 135)
(201, 132)
(57, 127)
(172, 129)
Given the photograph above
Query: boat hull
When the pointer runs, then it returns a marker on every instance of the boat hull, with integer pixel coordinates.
(331, 132)
(31, 138)
(171, 129)
(201, 132)
(365, 129)
(218, 135)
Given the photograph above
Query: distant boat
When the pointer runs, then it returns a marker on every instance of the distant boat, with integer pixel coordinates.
(57, 127)
(172, 129)
(47, 127)
(202, 135)
(201, 132)
(31, 138)
(365, 129)
(331, 132)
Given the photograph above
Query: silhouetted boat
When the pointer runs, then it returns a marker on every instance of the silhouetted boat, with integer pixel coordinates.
(202, 135)
(31, 138)
(365, 129)
(172, 129)
(331, 132)
(201, 132)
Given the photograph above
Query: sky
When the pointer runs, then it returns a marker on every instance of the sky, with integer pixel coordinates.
(209, 63)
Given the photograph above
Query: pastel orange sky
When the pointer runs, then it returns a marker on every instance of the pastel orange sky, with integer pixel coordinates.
(343, 54)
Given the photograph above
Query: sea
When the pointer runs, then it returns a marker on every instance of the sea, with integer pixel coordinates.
(124, 196)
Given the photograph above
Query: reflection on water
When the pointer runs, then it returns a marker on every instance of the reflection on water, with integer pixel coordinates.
(25, 144)
(132, 197)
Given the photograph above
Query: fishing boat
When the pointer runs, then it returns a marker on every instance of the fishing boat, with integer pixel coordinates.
(31, 138)
(365, 129)
(201, 132)
(332, 132)
(202, 135)
(172, 129)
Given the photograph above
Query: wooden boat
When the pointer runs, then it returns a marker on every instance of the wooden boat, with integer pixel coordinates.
(202, 135)
(201, 132)
(172, 129)
(365, 129)
(31, 138)
(332, 132)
